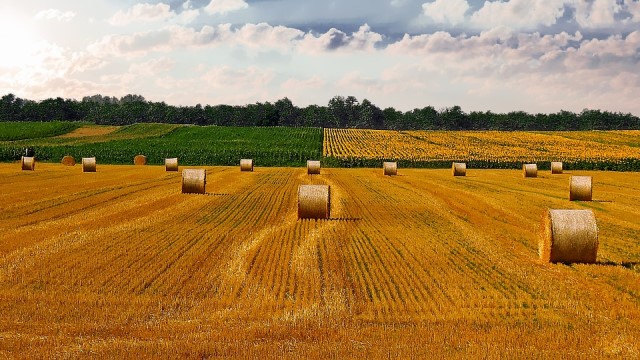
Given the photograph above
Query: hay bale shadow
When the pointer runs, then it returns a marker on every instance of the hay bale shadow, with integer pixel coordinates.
(625, 264)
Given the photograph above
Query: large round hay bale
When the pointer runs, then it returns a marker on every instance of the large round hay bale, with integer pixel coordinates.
(314, 202)
(580, 188)
(459, 169)
(171, 164)
(68, 160)
(313, 167)
(390, 168)
(89, 164)
(556, 167)
(569, 236)
(246, 164)
(28, 163)
(530, 170)
(194, 181)
(140, 160)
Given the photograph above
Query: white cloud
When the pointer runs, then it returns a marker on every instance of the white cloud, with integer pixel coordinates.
(142, 12)
(519, 14)
(225, 6)
(55, 14)
(293, 85)
(263, 36)
(446, 11)
(598, 13)
(364, 39)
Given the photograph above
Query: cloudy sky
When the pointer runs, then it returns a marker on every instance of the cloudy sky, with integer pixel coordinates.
(531, 55)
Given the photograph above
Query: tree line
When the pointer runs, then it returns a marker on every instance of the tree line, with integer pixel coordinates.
(340, 112)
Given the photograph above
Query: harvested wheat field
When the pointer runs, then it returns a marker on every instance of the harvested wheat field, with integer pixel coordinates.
(121, 264)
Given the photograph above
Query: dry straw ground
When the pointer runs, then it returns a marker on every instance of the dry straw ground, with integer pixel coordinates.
(121, 264)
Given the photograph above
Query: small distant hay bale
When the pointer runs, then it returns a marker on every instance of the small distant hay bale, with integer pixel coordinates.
(171, 164)
(530, 170)
(246, 164)
(459, 169)
(569, 236)
(140, 160)
(68, 161)
(194, 181)
(313, 167)
(390, 168)
(89, 164)
(314, 202)
(580, 188)
(556, 167)
(28, 163)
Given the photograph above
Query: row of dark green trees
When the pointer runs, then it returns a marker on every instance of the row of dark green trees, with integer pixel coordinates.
(340, 112)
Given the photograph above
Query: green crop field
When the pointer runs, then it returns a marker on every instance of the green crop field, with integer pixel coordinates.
(193, 145)
(12, 131)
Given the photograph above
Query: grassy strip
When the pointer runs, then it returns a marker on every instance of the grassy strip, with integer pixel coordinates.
(630, 164)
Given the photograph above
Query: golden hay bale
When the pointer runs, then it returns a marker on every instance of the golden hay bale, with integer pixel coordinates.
(569, 236)
(390, 168)
(140, 160)
(89, 164)
(459, 169)
(68, 161)
(28, 163)
(171, 164)
(314, 202)
(246, 164)
(530, 170)
(313, 167)
(194, 181)
(556, 167)
(580, 188)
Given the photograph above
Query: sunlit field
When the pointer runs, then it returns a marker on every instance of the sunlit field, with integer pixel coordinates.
(119, 263)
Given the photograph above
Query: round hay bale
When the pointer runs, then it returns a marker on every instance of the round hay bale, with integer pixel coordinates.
(390, 168)
(28, 163)
(313, 167)
(68, 161)
(530, 170)
(140, 160)
(171, 164)
(580, 188)
(314, 202)
(246, 164)
(89, 164)
(194, 181)
(556, 167)
(569, 236)
(459, 169)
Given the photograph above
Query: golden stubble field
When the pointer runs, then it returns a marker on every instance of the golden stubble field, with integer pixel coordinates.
(119, 263)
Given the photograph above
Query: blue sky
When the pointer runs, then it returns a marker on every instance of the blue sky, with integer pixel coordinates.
(531, 55)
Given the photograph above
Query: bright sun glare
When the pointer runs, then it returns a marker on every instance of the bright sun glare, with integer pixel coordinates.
(17, 41)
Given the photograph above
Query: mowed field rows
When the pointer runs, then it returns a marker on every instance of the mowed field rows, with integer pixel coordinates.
(119, 263)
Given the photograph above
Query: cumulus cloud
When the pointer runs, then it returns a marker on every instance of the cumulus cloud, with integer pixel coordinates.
(519, 14)
(334, 39)
(225, 6)
(597, 13)
(446, 11)
(142, 12)
(261, 35)
(55, 14)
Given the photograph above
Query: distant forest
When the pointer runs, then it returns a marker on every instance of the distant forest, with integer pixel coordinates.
(340, 112)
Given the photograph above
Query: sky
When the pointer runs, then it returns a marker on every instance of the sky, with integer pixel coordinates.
(518, 55)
